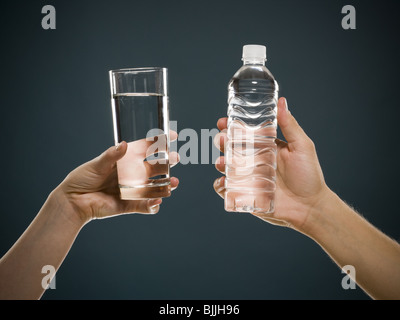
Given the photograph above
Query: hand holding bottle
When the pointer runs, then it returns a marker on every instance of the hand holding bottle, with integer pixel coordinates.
(305, 203)
(300, 182)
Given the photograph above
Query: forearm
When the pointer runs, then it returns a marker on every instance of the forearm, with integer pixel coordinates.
(350, 240)
(45, 242)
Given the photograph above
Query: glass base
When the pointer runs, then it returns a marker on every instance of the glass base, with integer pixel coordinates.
(253, 202)
(145, 192)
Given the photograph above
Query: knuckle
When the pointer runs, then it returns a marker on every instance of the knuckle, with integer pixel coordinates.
(310, 144)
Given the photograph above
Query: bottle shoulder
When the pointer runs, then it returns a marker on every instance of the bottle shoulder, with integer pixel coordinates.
(248, 72)
(253, 79)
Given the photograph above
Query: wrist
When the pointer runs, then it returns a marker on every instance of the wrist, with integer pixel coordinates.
(326, 202)
(61, 205)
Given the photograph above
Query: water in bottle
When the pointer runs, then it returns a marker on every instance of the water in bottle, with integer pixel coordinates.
(250, 153)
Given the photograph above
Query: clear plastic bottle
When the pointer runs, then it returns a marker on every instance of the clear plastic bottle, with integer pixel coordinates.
(250, 152)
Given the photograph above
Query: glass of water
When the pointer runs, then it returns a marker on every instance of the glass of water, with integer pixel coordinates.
(139, 99)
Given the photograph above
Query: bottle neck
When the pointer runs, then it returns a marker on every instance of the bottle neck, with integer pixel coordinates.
(254, 61)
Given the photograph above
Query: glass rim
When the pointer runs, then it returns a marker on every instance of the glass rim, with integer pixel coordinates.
(140, 69)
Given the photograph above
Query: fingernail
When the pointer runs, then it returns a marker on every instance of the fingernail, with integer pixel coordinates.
(117, 146)
(154, 209)
(219, 182)
(219, 185)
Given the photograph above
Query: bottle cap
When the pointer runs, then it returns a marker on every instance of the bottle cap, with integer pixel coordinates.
(254, 52)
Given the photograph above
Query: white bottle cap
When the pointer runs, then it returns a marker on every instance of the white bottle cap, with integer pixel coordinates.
(254, 52)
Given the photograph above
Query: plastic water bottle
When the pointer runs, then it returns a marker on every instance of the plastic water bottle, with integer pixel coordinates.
(250, 152)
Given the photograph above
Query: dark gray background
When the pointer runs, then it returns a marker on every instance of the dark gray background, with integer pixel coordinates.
(55, 114)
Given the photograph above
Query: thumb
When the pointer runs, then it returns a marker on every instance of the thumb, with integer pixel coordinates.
(106, 161)
(291, 130)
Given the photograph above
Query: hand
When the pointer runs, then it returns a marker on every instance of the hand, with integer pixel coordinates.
(300, 183)
(91, 191)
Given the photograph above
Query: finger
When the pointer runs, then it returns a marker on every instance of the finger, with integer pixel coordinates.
(173, 135)
(220, 164)
(220, 140)
(269, 219)
(150, 206)
(222, 123)
(160, 150)
(173, 158)
(293, 133)
(219, 186)
(174, 183)
(156, 167)
(160, 158)
(147, 206)
(280, 143)
(116, 206)
(142, 148)
(148, 146)
(105, 162)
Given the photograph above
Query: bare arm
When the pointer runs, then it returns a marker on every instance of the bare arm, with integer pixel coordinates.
(45, 242)
(351, 240)
(306, 204)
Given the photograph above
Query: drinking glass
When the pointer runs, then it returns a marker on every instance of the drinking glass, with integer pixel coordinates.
(139, 100)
